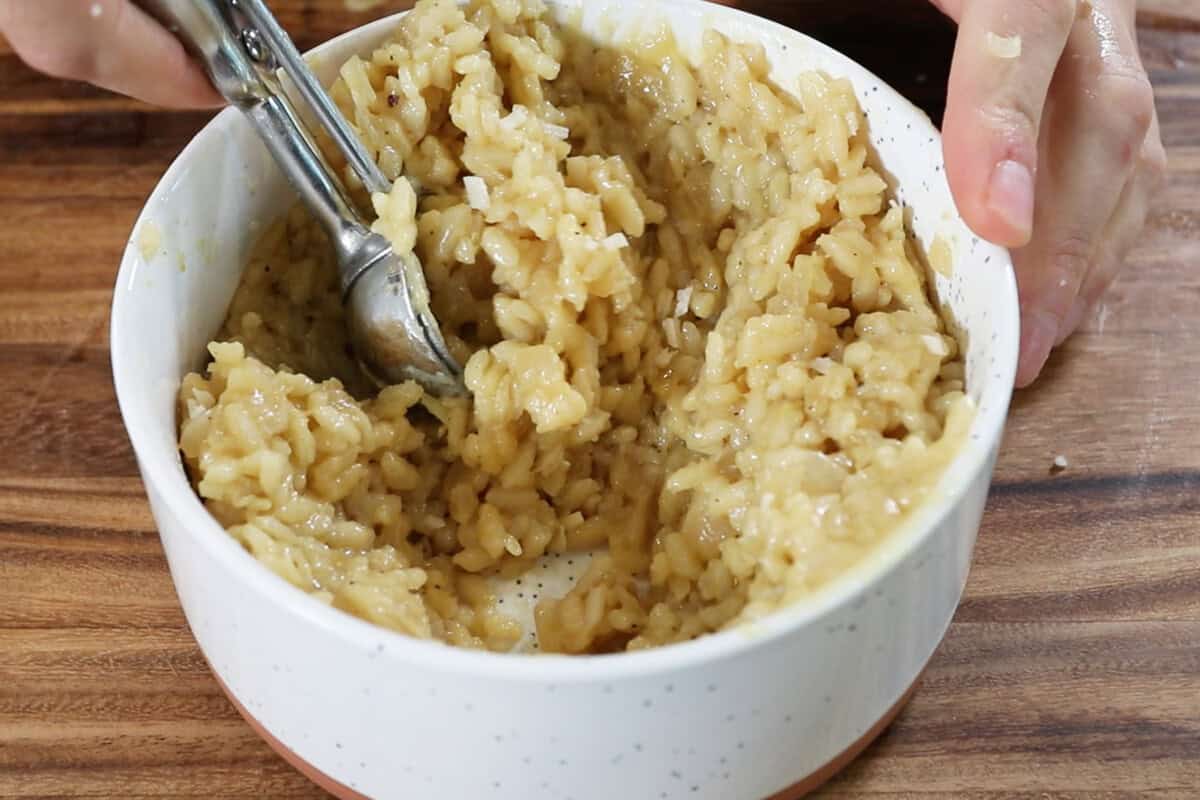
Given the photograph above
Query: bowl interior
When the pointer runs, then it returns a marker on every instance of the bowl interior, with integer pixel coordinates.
(185, 254)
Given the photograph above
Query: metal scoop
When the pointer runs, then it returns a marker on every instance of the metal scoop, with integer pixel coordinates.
(243, 48)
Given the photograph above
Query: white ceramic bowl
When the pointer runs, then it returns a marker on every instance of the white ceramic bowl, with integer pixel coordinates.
(749, 713)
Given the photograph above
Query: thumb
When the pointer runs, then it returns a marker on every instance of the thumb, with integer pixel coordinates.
(112, 44)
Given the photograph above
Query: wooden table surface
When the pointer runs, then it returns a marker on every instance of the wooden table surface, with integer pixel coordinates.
(1072, 669)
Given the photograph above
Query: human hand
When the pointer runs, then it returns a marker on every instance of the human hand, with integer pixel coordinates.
(110, 43)
(1053, 151)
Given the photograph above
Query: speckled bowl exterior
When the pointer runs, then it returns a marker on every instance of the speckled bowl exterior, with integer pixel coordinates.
(742, 714)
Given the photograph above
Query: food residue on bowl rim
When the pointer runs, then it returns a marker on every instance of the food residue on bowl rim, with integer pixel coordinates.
(149, 240)
(941, 256)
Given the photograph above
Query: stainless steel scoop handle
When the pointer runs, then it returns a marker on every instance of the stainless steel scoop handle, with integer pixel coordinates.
(243, 47)
(242, 68)
(280, 45)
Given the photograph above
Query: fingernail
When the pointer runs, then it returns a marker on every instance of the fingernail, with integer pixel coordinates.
(1010, 196)
(1038, 333)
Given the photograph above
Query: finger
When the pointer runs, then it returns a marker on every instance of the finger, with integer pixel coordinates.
(994, 110)
(1097, 122)
(109, 43)
(951, 8)
(1124, 228)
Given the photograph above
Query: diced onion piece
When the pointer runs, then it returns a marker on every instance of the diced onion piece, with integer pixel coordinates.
(516, 118)
(936, 345)
(477, 192)
(672, 332)
(683, 299)
(615, 242)
(823, 365)
(557, 131)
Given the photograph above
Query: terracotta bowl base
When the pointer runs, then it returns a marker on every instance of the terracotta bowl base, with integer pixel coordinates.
(794, 792)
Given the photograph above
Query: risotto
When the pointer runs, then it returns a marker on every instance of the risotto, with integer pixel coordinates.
(698, 341)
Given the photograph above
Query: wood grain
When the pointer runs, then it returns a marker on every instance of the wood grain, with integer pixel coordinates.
(1072, 669)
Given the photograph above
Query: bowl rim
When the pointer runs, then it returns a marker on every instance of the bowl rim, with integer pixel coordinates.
(163, 473)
